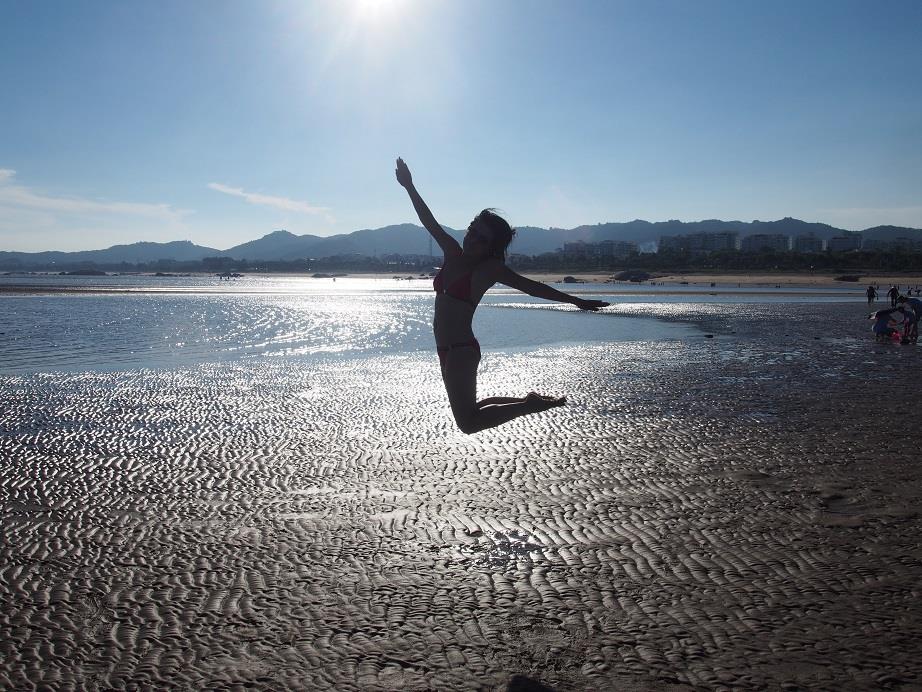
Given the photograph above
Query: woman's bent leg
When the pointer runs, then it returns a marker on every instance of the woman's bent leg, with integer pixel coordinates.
(500, 400)
(497, 414)
(518, 399)
(459, 373)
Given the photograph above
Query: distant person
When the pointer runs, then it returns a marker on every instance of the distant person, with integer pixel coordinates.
(468, 271)
(912, 311)
(884, 322)
(872, 295)
(893, 294)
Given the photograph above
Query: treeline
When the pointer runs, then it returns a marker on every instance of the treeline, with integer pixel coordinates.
(731, 261)
(666, 261)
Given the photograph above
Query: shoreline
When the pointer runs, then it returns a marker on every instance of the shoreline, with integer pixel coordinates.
(798, 280)
(682, 284)
(783, 279)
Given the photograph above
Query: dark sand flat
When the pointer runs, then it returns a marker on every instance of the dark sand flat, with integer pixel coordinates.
(738, 511)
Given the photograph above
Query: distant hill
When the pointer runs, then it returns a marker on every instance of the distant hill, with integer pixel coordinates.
(403, 239)
(891, 233)
(410, 239)
(136, 253)
(279, 245)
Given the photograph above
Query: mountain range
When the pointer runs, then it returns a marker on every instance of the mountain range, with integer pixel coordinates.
(410, 239)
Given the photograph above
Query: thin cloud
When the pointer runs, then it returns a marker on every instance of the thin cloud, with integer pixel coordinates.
(21, 197)
(281, 203)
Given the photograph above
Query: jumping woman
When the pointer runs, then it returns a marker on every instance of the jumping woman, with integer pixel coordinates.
(467, 272)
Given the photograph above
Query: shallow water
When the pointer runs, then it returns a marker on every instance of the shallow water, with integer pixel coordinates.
(281, 283)
(623, 292)
(110, 332)
(156, 322)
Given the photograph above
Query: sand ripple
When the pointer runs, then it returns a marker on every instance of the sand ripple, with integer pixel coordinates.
(731, 513)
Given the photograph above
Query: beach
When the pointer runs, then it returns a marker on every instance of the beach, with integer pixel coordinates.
(754, 279)
(735, 509)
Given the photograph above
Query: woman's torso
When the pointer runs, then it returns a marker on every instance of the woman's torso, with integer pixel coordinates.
(459, 288)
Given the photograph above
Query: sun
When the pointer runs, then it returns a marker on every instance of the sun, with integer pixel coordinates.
(373, 10)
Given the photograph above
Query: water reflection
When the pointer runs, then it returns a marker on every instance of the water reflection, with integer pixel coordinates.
(152, 330)
(305, 285)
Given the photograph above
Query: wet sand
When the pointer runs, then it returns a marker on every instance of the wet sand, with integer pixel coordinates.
(730, 512)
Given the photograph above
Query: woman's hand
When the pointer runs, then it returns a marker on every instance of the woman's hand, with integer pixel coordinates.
(403, 174)
(591, 305)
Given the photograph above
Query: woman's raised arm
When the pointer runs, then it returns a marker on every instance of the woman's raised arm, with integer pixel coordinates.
(449, 245)
(537, 289)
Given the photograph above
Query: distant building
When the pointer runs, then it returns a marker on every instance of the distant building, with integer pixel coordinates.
(760, 242)
(606, 248)
(614, 248)
(900, 243)
(577, 249)
(808, 243)
(699, 243)
(844, 243)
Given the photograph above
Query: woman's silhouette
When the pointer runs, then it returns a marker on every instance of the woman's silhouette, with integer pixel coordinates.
(467, 272)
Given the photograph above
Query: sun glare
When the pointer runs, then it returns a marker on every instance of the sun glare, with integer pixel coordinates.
(374, 10)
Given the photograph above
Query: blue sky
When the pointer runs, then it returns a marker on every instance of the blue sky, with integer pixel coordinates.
(221, 121)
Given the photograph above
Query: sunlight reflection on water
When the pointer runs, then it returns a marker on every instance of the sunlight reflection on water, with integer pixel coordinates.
(306, 285)
(292, 317)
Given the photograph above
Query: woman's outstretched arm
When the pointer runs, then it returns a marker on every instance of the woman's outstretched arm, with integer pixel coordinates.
(539, 290)
(449, 245)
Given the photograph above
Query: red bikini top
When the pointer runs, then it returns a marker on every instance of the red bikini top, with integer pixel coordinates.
(460, 288)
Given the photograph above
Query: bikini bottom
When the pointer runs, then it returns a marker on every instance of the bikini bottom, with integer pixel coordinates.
(443, 350)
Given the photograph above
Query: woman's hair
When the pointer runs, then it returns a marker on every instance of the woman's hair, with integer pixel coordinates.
(503, 233)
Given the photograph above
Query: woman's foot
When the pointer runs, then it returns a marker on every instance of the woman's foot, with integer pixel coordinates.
(540, 402)
(558, 400)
